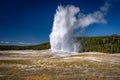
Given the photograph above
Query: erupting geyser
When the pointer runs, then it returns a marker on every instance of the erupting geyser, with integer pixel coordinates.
(66, 20)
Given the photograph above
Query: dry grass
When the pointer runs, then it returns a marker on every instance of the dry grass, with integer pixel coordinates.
(44, 67)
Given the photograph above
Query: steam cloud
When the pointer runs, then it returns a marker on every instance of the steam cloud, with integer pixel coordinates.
(68, 19)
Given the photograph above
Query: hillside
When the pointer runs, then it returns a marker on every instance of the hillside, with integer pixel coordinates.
(107, 44)
(34, 47)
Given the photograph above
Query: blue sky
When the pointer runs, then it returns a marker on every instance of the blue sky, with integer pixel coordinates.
(29, 22)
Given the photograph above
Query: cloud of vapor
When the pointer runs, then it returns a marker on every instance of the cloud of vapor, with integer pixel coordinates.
(85, 20)
(69, 18)
(105, 7)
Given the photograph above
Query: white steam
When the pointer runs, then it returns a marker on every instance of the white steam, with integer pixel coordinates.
(66, 20)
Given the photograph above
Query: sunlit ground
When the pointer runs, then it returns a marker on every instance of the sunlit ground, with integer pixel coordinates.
(31, 65)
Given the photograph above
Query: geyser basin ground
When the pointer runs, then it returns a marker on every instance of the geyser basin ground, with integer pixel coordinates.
(38, 65)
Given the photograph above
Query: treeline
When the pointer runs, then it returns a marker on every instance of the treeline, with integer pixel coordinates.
(35, 47)
(107, 44)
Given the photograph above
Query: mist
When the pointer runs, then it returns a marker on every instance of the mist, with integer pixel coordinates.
(67, 20)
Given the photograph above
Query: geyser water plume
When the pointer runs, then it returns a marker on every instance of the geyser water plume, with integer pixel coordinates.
(66, 20)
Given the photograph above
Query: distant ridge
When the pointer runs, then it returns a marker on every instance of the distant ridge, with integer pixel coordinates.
(42, 46)
(107, 44)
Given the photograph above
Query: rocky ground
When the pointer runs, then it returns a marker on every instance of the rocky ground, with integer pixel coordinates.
(44, 65)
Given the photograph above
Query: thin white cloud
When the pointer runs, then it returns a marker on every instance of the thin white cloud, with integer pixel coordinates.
(13, 43)
(20, 43)
(23, 43)
(4, 42)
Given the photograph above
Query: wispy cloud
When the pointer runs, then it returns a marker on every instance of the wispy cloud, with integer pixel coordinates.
(23, 43)
(4, 42)
(20, 43)
(14, 43)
